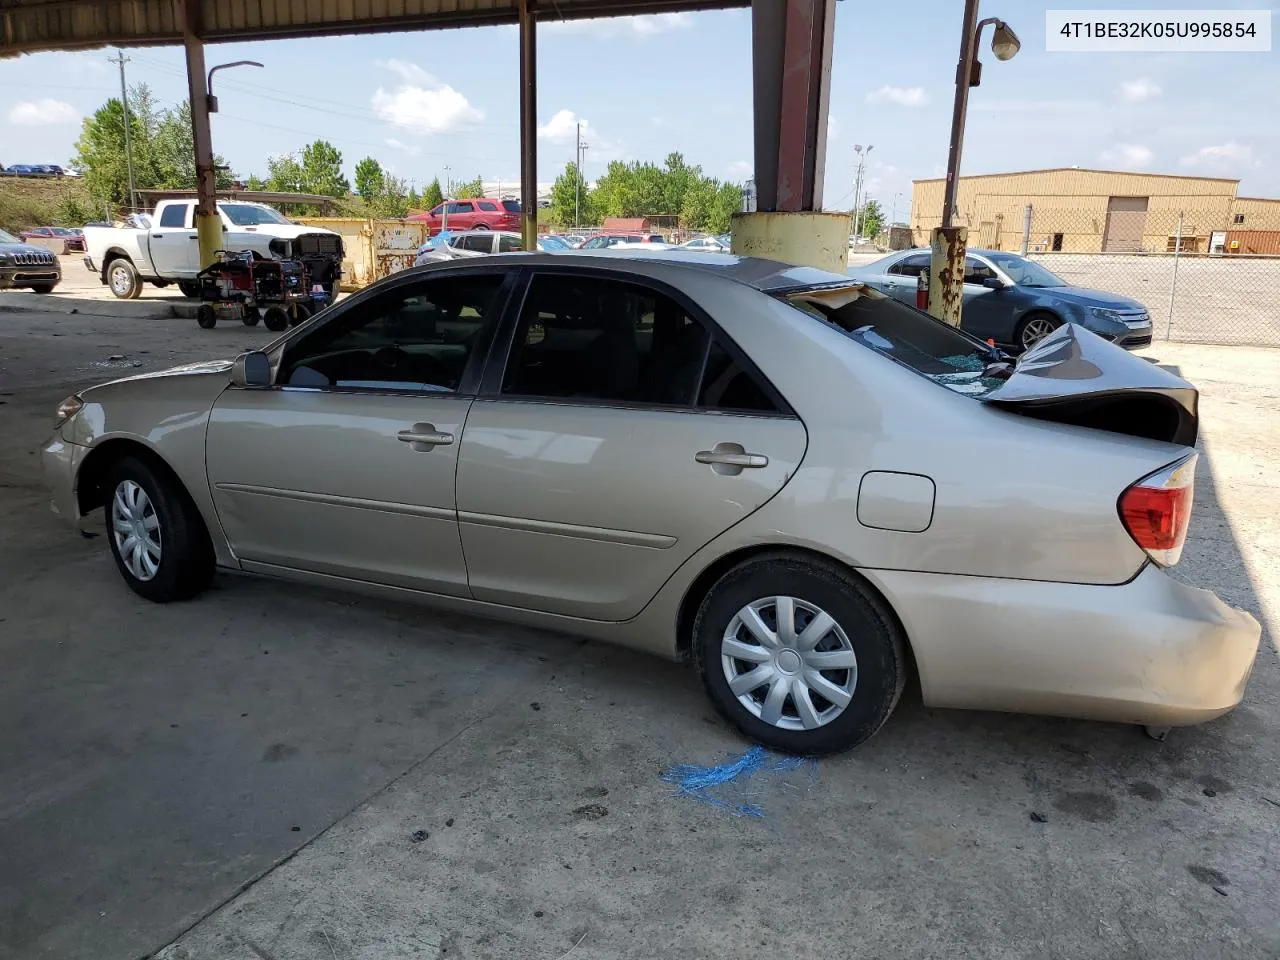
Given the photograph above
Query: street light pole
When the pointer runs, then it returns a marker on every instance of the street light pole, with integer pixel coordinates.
(946, 268)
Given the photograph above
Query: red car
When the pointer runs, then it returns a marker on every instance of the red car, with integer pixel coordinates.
(479, 213)
(74, 241)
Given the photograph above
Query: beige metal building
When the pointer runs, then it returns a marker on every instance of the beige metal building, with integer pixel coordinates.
(1095, 211)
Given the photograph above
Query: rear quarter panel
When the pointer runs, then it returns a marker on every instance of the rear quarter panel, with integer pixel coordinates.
(1015, 498)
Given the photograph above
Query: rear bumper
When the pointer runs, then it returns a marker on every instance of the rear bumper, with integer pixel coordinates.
(1152, 651)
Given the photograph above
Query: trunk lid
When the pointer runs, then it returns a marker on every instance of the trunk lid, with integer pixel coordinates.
(1073, 376)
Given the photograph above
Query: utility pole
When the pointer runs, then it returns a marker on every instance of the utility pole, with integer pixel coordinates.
(857, 184)
(579, 154)
(448, 194)
(121, 59)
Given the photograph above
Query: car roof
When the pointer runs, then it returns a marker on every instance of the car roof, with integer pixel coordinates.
(980, 251)
(767, 276)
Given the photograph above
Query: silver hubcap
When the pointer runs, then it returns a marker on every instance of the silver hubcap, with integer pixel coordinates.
(119, 280)
(789, 663)
(1036, 330)
(136, 529)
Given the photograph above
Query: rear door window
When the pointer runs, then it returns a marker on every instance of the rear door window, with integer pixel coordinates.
(911, 266)
(175, 215)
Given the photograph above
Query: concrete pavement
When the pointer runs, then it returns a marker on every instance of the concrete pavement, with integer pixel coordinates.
(461, 789)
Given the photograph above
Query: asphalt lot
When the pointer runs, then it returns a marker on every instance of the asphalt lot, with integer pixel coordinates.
(274, 772)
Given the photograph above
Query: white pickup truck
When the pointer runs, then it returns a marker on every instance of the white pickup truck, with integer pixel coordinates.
(168, 251)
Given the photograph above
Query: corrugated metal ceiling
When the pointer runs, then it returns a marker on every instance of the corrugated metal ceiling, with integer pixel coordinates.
(27, 26)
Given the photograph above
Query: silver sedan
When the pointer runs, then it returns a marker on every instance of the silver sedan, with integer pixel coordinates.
(804, 488)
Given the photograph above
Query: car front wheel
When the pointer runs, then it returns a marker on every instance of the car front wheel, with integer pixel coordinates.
(1034, 328)
(799, 655)
(123, 279)
(156, 534)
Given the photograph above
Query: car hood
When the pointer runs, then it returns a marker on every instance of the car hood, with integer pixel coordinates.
(1084, 297)
(1074, 376)
(285, 231)
(204, 367)
(24, 248)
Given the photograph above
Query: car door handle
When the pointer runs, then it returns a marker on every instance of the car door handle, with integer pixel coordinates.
(732, 457)
(424, 436)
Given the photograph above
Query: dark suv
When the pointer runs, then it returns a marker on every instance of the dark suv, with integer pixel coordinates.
(25, 265)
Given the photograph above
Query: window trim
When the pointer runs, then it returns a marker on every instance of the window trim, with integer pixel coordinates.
(500, 351)
(477, 362)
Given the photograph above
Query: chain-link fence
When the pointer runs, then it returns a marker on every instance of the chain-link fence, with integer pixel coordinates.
(1200, 279)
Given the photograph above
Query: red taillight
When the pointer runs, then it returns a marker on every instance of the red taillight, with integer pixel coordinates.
(1157, 509)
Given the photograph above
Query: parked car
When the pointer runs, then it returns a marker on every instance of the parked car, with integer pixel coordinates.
(575, 240)
(479, 243)
(479, 213)
(836, 488)
(706, 244)
(551, 242)
(73, 241)
(603, 241)
(1015, 301)
(27, 265)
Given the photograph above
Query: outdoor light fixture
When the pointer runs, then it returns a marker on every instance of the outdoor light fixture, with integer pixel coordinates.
(212, 102)
(1004, 42)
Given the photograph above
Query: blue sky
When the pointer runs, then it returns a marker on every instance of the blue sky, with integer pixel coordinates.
(645, 86)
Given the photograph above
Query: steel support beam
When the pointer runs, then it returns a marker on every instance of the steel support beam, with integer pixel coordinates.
(208, 226)
(528, 127)
(791, 65)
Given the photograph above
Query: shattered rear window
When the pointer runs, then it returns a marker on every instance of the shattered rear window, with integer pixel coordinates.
(931, 348)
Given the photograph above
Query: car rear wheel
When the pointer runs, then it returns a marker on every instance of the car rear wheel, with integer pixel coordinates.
(481, 226)
(190, 288)
(1034, 327)
(157, 537)
(799, 655)
(123, 279)
(43, 287)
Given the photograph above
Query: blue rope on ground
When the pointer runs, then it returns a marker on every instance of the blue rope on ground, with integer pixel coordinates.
(696, 781)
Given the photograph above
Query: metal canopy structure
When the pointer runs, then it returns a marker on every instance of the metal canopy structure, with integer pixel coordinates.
(29, 26)
(791, 54)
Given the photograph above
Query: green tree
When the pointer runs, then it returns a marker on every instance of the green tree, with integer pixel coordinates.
(100, 154)
(173, 152)
(415, 201)
(284, 174)
(392, 201)
(255, 182)
(322, 170)
(433, 196)
(872, 218)
(570, 198)
(369, 179)
(468, 189)
(727, 202)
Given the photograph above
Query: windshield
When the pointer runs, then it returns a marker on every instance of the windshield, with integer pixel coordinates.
(1025, 273)
(552, 243)
(912, 338)
(248, 215)
(8, 238)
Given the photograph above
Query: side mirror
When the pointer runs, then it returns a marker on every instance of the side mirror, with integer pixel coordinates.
(251, 370)
(993, 283)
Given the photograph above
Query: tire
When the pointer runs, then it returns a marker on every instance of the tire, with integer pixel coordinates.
(190, 288)
(481, 226)
(301, 314)
(251, 317)
(275, 319)
(160, 284)
(123, 279)
(1033, 328)
(862, 626)
(43, 287)
(182, 562)
(206, 316)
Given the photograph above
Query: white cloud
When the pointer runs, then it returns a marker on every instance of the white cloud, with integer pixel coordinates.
(903, 96)
(1230, 155)
(1128, 155)
(45, 112)
(1139, 91)
(563, 127)
(406, 147)
(833, 128)
(421, 103)
(645, 26)
(740, 168)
